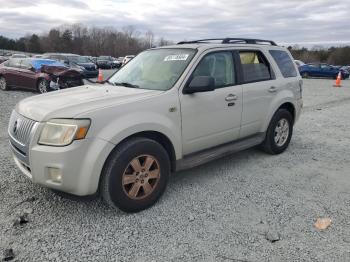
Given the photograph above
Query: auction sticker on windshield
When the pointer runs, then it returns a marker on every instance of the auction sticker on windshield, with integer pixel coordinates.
(181, 57)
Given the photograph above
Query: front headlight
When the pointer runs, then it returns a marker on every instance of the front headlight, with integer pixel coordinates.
(62, 132)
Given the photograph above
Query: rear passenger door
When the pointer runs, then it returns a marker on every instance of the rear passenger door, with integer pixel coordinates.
(259, 89)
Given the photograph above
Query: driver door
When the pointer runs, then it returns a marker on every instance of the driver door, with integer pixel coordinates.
(214, 117)
(26, 76)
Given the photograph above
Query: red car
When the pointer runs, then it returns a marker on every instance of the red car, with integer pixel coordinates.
(41, 75)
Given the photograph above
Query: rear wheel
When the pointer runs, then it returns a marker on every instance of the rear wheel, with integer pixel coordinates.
(3, 83)
(43, 86)
(135, 175)
(279, 132)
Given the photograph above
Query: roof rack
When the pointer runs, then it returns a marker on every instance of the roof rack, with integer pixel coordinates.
(229, 40)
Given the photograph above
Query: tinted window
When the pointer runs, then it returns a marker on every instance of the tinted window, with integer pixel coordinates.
(254, 66)
(218, 65)
(285, 64)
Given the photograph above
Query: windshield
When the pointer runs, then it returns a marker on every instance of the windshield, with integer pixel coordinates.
(79, 59)
(157, 69)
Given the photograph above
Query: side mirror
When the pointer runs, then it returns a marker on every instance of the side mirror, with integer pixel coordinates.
(200, 84)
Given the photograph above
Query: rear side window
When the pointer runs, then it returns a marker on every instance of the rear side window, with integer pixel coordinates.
(218, 65)
(285, 64)
(254, 66)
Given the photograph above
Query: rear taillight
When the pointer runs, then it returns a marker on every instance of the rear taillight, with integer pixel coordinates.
(301, 88)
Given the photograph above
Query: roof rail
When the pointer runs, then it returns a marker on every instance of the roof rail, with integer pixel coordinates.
(229, 40)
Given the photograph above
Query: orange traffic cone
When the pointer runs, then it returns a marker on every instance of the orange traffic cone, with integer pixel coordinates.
(338, 80)
(100, 76)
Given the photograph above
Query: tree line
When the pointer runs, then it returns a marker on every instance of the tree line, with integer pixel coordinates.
(332, 55)
(83, 40)
(95, 41)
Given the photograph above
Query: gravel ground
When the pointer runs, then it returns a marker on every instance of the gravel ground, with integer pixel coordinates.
(246, 207)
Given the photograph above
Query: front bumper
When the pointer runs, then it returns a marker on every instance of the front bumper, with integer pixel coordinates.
(79, 164)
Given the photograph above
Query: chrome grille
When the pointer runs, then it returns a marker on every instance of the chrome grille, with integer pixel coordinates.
(20, 128)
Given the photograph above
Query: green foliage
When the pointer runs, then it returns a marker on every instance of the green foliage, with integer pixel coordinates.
(332, 55)
(84, 40)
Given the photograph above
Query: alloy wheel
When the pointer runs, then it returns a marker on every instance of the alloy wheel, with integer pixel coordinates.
(42, 86)
(141, 177)
(281, 132)
(3, 83)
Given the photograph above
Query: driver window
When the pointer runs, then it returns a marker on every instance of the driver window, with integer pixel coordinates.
(218, 65)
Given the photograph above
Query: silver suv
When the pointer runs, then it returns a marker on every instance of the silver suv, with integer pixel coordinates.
(168, 109)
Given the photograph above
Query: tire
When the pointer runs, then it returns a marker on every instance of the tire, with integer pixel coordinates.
(43, 86)
(305, 75)
(270, 145)
(3, 84)
(126, 178)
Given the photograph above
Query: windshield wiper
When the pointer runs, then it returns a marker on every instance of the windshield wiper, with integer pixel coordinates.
(126, 84)
(108, 82)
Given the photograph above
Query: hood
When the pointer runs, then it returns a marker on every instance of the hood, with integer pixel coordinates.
(58, 71)
(69, 103)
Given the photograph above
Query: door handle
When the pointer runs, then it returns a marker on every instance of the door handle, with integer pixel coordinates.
(231, 97)
(273, 89)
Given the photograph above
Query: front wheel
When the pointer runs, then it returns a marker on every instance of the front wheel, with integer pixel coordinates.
(43, 86)
(3, 84)
(279, 132)
(135, 175)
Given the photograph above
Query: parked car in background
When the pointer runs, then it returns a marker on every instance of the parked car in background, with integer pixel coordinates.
(321, 70)
(94, 59)
(127, 59)
(18, 56)
(3, 59)
(40, 75)
(116, 63)
(299, 63)
(105, 62)
(346, 68)
(77, 62)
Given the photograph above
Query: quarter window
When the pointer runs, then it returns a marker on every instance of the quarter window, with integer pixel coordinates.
(285, 64)
(254, 66)
(218, 65)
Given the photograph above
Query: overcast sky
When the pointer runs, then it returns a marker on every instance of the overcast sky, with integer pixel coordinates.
(293, 21)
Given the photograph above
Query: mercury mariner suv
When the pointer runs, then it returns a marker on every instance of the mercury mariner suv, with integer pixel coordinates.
(168, 109)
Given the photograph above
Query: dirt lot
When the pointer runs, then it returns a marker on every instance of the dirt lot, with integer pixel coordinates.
(246, 207)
